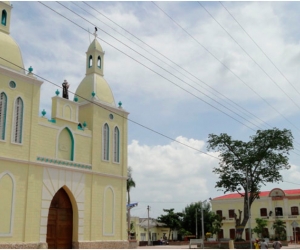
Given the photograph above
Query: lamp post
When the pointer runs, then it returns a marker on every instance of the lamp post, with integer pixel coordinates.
(202, 224)
(248, 205)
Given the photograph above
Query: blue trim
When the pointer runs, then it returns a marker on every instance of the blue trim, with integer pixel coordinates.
(52, 120)
(72, 142)
(117, 147)
(61, 162)
(4, 115)
(4, 17)
(18, 121)
(106, 143)
(21, 125)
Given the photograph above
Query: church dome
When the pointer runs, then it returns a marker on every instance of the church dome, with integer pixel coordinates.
(10, 51)
(97, 84)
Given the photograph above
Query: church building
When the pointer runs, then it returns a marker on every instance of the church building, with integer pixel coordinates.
(63, 179)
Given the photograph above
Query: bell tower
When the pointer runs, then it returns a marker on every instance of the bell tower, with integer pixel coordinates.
(95, 58)
(5, 12)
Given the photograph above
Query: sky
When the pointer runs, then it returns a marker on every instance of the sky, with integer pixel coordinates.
(183, 70)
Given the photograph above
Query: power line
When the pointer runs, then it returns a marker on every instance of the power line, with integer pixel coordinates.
(166, 58)
(226, 67)
(249, 56)
(159, 67)
(116, 113)
(150, 70)
(177, 65)
(152, 130)
(259, 47)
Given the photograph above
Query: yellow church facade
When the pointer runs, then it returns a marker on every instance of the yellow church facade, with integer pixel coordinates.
(276, 204)
(63, 179)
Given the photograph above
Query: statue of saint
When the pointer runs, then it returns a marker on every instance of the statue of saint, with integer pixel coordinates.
(65, 86)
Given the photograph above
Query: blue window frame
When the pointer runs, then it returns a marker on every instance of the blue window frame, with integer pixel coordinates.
(105, 146)
(116, 145)
(18, 123)
(3, 108)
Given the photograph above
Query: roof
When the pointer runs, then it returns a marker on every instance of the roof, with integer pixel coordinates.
(152, 223)
(10, 51)
(262, 194)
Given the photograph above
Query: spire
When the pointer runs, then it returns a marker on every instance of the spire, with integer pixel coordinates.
(95, 57)
(5, 12)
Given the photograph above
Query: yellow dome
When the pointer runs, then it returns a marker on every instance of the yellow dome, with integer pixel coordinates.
(10, 51)
(97, 84)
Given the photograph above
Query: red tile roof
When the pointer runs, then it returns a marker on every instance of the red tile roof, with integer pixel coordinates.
(262, 194)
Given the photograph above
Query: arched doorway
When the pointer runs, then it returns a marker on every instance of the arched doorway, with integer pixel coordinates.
(60, 221)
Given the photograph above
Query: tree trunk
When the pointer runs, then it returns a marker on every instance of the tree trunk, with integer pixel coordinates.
(240, 222)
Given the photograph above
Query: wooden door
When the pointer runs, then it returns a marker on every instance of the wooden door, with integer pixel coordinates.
(60, 221)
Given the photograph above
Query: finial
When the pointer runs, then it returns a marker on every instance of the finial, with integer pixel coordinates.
(84, 124)
(57, 92)
(30, 69)
(43, 112)
(93, 94)
(120, 104)
(75, 99)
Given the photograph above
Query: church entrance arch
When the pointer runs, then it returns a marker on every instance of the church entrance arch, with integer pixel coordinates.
(60, 221)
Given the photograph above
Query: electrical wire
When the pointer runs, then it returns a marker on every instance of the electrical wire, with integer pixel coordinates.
(249, 56)
(259, 47)
(227, 68)
(155, 71)
(139, 124)
(177, 65)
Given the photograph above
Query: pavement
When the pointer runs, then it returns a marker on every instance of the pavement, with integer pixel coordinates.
(290, 246)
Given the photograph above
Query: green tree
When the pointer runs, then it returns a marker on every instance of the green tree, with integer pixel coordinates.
(245, 166)
(260, 225)
(171, 219)
(216, 225)
(130, 184)
(279, 228)
(192, 211)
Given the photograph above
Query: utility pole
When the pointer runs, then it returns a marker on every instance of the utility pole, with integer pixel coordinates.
(249, 212)
(148, 208)
(202, 224)
(196, 224)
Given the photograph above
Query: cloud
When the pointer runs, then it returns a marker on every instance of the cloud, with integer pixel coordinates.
(171, 174)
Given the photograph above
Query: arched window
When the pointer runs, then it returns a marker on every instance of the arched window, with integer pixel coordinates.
(99, 62)
(90, 61)
(116, 145)
(3, 17)
(18, 122)
(3, 106)
(105, 146)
